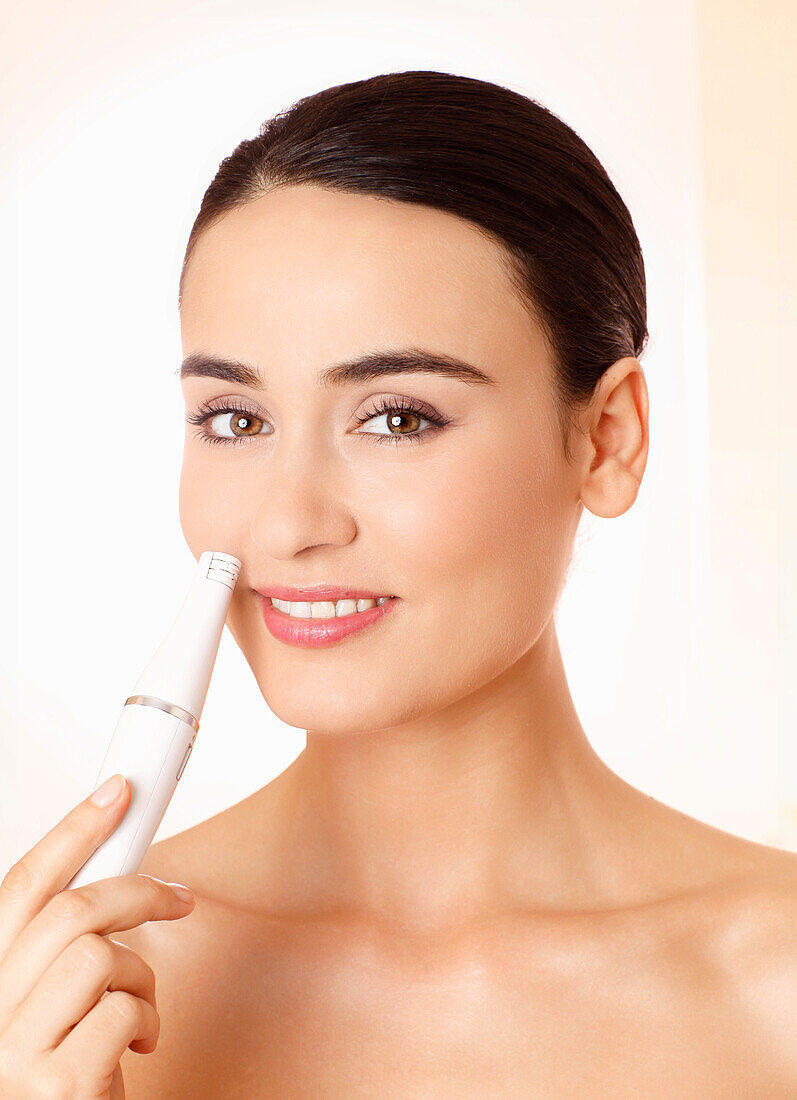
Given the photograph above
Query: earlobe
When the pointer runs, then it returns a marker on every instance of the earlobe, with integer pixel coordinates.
(610, 489)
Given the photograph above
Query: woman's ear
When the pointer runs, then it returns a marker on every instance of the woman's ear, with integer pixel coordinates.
(615, 428)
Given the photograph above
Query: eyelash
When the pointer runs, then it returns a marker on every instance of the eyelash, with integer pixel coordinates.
(207, 411)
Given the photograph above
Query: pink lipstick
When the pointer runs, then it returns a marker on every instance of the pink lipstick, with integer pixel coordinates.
(320, 632)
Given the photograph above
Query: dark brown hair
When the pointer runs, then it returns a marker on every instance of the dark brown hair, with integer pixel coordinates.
(490, 155)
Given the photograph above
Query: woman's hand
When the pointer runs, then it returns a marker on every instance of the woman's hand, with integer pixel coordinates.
(71, 999)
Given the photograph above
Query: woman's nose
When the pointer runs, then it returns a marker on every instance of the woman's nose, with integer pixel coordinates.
(302, 500)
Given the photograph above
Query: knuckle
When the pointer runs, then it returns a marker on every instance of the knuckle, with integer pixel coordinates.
(152, 884)
(93, 949)
(157, 889)
(69, 905)
(128, 1006)
(23, 877)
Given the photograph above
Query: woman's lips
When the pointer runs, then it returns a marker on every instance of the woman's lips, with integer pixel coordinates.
(320, 632)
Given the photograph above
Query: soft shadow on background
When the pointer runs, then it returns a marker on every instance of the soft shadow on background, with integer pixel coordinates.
(677, 623)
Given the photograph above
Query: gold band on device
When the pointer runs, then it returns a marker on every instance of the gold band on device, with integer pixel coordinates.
(170, 708)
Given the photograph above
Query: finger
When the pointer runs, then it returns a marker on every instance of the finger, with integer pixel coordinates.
(51, 863)
(72, 985)
(109, 905)
(95, 1045)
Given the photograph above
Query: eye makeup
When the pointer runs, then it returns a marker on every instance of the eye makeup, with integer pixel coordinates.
(403, 407)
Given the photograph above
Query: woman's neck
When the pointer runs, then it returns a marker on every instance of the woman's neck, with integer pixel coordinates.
(498, 802)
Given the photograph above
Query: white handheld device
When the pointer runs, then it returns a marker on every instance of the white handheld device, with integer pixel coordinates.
(159, 721)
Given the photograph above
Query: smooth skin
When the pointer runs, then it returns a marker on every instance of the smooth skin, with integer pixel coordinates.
(447, 894)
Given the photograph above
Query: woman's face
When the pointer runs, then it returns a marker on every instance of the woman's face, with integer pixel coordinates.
(470, 524)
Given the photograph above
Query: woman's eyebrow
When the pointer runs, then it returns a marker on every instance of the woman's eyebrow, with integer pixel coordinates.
(364, 368)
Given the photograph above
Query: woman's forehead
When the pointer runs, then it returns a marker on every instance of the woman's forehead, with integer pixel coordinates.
(309, 265)
(322, 240)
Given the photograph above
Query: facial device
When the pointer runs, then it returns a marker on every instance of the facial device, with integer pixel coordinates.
(159, 721)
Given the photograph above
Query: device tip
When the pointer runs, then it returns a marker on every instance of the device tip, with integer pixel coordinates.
(221, 567)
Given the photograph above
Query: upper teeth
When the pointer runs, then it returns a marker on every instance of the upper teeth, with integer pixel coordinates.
(326, 609)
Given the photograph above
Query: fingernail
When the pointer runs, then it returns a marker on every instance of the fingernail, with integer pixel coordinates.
(183, 892)
(109, 791)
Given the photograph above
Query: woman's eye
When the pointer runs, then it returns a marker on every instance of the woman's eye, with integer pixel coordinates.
(402, 420)
(229, 425)
(398, 425)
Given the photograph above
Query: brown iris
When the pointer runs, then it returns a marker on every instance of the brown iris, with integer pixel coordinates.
(393, 417)
(247, 419)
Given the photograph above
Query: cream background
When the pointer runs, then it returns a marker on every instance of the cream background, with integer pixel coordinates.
(677, 623)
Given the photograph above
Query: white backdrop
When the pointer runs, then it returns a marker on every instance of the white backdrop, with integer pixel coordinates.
(120, 117)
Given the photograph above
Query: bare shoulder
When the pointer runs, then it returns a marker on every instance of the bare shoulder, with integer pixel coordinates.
(761, 920)
(753, 949)
(725, 926)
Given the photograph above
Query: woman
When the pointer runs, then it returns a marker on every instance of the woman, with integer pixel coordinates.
(412, 312)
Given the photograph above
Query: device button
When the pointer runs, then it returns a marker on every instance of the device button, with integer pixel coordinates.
(185, 760)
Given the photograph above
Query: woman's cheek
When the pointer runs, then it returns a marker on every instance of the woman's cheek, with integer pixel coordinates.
(212, 507)
(513, 531)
